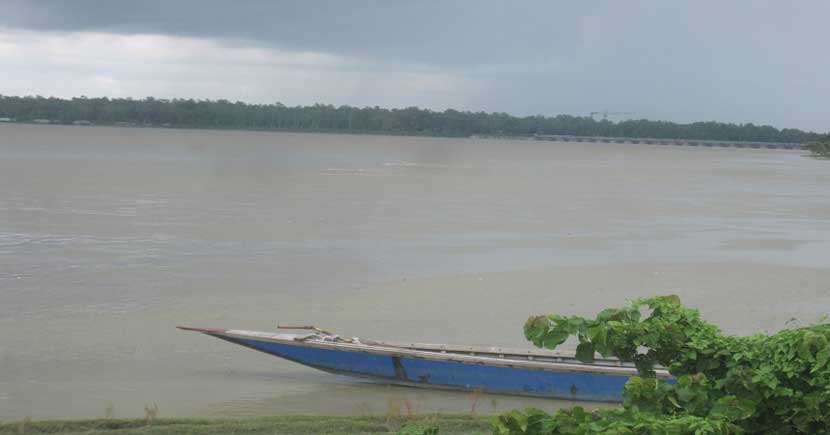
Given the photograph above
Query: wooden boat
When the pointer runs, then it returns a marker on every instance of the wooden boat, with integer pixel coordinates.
(553, 374)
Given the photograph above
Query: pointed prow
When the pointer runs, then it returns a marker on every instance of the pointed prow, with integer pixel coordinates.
(204, 330)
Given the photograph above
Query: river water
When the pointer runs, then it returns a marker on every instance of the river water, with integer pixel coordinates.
(109, 238)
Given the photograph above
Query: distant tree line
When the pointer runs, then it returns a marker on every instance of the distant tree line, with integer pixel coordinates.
(411, 120)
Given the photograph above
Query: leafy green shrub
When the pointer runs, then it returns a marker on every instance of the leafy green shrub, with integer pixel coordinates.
(724, 384)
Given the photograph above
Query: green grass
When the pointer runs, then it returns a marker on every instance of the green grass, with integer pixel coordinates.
(447, 424)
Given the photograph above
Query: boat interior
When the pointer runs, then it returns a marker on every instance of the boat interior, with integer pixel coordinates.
(560, 356)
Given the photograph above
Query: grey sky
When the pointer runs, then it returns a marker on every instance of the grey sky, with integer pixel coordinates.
(747, 61)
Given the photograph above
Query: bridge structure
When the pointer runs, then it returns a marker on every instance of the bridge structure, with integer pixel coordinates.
(676, 142)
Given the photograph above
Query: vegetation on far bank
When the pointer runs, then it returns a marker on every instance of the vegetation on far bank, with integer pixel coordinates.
(328, 118)
(821, 147)
(293, 425)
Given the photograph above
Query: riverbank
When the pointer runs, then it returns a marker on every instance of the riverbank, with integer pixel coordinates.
(710, 143)
(447, 424)
(333, 131)
(319, 117)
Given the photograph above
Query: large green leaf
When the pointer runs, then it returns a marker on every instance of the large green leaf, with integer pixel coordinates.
(585, 352)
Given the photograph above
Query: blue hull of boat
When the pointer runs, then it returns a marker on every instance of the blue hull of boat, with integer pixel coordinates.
(449, 374)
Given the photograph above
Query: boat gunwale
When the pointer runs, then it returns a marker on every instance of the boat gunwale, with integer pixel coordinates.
(392, 350)
(507, 352)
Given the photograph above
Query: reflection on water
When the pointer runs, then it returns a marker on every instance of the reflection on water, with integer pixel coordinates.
(357, 397)
(111, 237)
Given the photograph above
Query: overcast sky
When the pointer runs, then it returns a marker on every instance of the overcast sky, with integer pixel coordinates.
(755, 61)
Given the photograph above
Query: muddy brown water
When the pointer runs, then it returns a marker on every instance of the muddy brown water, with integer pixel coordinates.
(111, 237)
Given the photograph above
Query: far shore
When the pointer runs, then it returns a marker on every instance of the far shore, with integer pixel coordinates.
(710, 143)
(271, 130)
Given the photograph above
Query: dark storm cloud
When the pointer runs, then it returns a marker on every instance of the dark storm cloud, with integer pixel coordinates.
(435, 32)
(447, 32)
(758, 61)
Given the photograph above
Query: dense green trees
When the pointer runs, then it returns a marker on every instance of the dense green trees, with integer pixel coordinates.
(411, 120)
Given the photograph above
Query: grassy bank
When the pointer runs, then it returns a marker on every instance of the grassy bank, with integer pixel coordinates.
(447, 424)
